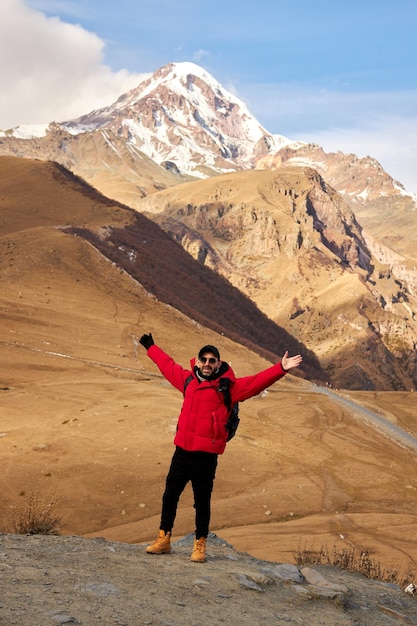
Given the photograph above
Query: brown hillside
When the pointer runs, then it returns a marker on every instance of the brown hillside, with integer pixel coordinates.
(38, 193)
(169, 273)
(140, 247)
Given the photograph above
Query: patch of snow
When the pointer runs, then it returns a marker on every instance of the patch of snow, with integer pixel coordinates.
(404, 192)
(363, 194)
(78, 129)
(110, 144)
(26, 131)
(308, 162)
(277, 142)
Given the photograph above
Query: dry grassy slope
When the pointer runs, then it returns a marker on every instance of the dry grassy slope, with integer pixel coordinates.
(72, 368)
(87, 420)
(264, 231)
(36, 194)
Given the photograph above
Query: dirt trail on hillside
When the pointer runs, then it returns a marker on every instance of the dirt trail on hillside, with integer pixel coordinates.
(377, 420)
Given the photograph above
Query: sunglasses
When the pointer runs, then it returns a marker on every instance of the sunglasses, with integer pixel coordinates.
(207, 359)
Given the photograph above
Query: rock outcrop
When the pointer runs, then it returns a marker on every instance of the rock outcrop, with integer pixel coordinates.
(90, 582)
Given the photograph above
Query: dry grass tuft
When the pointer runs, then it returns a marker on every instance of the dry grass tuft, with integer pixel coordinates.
(362, 563)
(36, 516)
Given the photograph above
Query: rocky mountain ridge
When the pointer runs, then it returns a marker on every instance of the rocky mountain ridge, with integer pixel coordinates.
(381, 204)
(183, 119)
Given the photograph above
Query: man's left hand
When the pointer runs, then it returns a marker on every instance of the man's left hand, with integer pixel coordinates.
(288, 362)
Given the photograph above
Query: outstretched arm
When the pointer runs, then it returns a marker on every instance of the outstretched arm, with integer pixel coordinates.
(249, 386)
(172, 371)
(288, 362)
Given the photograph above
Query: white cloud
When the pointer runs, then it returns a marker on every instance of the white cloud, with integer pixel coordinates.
(199, 55)
(390, 140)
(54, 70)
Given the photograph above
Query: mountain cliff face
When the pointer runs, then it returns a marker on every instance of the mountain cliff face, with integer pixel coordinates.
(322, 243)
(381, 203)
(293, 245)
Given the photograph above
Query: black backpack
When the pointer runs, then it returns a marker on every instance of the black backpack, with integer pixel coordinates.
(233, 419)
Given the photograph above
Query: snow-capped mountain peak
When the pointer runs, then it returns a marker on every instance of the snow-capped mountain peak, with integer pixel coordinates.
(182, 115)
(184, 120)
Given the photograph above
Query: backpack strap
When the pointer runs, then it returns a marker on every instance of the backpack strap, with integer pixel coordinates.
(187, 382)
(224, 387)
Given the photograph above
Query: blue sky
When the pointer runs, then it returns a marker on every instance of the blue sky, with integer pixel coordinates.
(342, 74)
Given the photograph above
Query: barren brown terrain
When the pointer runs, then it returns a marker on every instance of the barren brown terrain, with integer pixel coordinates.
(87, 421)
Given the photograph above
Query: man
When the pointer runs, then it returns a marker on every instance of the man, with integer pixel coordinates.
(201, 431)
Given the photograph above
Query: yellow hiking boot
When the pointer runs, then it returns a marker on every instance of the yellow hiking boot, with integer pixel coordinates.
(199, 552)
(162, 544)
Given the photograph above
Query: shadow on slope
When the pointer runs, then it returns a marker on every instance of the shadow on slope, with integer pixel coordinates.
(162, 266)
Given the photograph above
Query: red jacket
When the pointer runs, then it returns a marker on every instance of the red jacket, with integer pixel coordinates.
(202, 420)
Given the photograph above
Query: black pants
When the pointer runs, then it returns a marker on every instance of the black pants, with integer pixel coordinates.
(200, 469)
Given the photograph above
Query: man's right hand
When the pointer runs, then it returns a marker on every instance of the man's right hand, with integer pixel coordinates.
(147, 341)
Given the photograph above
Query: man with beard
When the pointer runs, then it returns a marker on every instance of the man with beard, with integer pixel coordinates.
(202, 430)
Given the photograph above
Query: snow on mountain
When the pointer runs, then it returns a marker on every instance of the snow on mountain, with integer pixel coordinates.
(180, 115)
(26, 131)
(185, 121)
